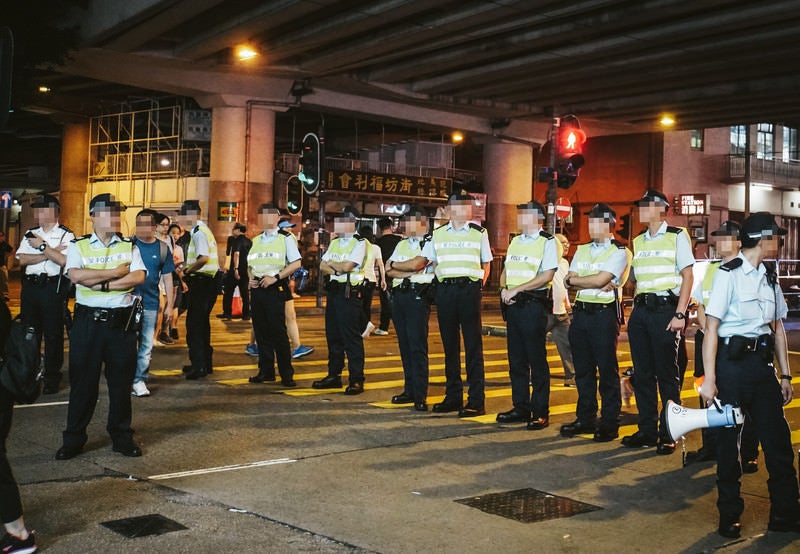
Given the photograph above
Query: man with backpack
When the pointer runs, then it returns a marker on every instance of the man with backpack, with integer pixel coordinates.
(158, 261)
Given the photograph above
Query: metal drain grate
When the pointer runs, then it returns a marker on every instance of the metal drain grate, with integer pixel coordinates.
(142, 526)
(528, 505)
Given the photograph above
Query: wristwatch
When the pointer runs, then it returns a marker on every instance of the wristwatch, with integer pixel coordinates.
(43, 247)
(277, 276)
(679, 315)
(566, 282)
(786, 377)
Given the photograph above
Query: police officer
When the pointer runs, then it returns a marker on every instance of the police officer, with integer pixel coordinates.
(410, 296)
(200, 273)
(744, 333)
(343, 263)
(105, 268)
(531, 262)
(460, 249)
(45, 289)
(271, 260)
(662, 267)
(727, 246)
(598, 272)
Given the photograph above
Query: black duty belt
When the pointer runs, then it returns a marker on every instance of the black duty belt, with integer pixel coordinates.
(652, 300)
(411, 287)
(42, 278)
(457, 281)
(749, 344)
(114, 316)
(591, 307)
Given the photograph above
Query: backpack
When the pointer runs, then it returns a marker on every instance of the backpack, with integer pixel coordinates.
(20, 372)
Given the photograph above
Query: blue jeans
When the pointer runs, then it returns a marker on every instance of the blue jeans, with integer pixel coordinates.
(149, 320)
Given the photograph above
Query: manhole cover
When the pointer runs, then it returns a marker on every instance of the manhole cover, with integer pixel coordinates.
(528, 505)
(142, 526)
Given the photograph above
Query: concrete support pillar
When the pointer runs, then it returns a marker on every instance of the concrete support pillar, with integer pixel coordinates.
(242, 163)
(227, 170)
(508, 181)
(74, 177)
(261, 163)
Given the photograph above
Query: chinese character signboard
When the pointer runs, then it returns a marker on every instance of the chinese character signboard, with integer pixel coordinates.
(693, 204)
(383, 183)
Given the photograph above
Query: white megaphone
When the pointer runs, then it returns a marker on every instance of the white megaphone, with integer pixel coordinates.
(681, 420)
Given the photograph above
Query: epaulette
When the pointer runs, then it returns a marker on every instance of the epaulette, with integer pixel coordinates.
(284, 232)
(476, 227)
(546, 235)
(65, 228)
(358, 237)
(733, 264)
(618, 244)
(676, 230)
(440, 226)
(84, 237)
(196, 228)
(125, 239)
(426, 238)
(32, 229)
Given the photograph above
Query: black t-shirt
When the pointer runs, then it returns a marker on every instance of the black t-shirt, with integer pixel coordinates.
(240, 244)
(387, 244)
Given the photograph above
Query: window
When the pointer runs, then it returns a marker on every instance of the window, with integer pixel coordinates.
(696, 139)
(738, 139)
(765, 141)
(790, 144)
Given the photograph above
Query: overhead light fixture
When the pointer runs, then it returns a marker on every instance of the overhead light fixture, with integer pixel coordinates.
(457, 137)
(667, 120)
(164, 162)
(301, 88)
(44, 89)
(245, 52)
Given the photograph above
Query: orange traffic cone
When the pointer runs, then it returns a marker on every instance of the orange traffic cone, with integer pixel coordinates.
(236, 303)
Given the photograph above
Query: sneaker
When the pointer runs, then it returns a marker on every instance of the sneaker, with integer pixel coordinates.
(173, 334)
(368, 330)
(301, 351)
(251, 349)
(380, 332)
(12, 545)
(140, 389)
(164, 338)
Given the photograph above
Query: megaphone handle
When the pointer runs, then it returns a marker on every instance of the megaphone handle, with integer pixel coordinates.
(717, 405)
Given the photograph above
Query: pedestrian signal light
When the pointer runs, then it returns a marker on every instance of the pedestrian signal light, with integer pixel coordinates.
(310, 170)
(570, 151)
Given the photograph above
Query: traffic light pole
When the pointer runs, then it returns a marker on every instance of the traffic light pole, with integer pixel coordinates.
(552, 187)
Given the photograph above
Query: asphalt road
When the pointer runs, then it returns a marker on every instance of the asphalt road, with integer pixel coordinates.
(259, 468)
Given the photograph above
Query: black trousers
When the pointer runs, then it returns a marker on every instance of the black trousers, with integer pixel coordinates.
(593, 337)
(43, 307)
(367, 292)
(458, 308)
(411, 314)
(751, 384)
(343, 330)
(269, 325)
(386, 308)
(654, 351)
(95, 344)
(227, 295)
(749, 438)
(526, 325)
(10, 503)
(199, 302)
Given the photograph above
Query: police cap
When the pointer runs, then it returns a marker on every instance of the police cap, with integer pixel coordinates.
(760, 225)
(459, 196)
(108, 201)
(532, 206)
(351, 212)
(602, 210)
(653, 196)
(189, 206)
(46, 201)
(414, 211)
(728, 229)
